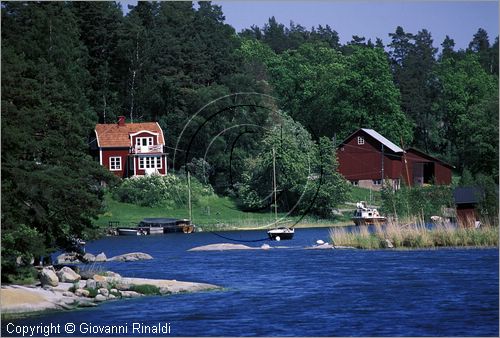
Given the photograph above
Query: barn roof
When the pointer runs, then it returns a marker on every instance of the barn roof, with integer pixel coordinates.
(467, 195)
(388, 144)
(429, 157)
(115, 135)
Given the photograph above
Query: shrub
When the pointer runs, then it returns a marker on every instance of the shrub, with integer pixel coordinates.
(416, 201)
(415, 236)
(92, 292)
(145, 289)
(153, 190)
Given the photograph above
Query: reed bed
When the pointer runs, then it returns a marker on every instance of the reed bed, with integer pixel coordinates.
(415, 235)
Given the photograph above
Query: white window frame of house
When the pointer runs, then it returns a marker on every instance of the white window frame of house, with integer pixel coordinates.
(377, 182)
(150, 162)
(361, 140)
(148, 140)
(355, 183)
(115, 163)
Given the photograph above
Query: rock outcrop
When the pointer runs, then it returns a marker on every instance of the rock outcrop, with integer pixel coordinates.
(131, 257)
(223, 246)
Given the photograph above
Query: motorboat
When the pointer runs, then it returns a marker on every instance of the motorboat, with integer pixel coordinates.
(129, 232)
(279, 234)
(363, 215)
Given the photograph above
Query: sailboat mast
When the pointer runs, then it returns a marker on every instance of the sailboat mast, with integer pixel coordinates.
(274, 186)
(189, 198)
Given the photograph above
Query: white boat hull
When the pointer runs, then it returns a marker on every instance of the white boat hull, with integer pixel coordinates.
(281, 234)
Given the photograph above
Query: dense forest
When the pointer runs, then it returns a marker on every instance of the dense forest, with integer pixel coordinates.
(69, 65)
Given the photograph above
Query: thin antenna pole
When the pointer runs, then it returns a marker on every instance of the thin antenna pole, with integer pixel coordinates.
(406, 164)
(382, 180)
(189, 198)
(274, 186)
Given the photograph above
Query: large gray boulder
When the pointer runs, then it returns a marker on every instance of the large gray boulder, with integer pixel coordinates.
(100, 298)
(131, 257)
(48, 277)
(66, 258)
(89, 257)
(91, 284)
(67, 275)
(100, 257)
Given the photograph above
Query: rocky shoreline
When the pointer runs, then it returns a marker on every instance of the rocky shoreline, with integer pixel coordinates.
(65, 289)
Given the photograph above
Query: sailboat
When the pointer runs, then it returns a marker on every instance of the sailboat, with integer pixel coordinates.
(281, 233)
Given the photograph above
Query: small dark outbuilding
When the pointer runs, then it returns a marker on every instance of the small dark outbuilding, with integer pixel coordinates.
(466, 201)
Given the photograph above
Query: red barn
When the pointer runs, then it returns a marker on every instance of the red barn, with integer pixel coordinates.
(366, 159)
(425, 169)
(130, 149)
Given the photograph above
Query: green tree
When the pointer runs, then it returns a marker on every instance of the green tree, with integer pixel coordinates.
(418, 91)
(480, 45)
(50, 186)
(306, 176)
(332, 94)
(468, 102)
(98, 24)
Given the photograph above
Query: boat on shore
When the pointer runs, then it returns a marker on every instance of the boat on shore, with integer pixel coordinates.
(279, 234)
(363, 215)
(166, 225)
(129, 232)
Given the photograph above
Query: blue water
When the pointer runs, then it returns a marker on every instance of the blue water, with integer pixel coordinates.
(296, 292)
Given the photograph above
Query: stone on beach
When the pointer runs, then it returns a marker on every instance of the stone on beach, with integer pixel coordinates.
(321, 246)
(82, 293)
(67, 258)
(67, 275)
(130, 294)
(100, 298)
(91, 284)
(100, 257)
(131, 257)
(89, 257)
(388, 244)
(48, 277)
(104, 292)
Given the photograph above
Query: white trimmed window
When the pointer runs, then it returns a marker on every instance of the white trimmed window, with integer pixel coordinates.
(377, 182)
(355, 183)
(150, 162)
(143, 141)
(115, 163)
(361, 140)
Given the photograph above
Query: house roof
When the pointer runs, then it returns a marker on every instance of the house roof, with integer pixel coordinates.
(388, 144)
(115, 135)
(467, 195)
(429, 157)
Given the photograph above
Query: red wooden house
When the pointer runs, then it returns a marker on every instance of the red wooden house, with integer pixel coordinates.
(368, 159)
(130, 149)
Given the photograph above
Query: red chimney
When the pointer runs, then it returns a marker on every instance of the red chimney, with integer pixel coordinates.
(121, 120)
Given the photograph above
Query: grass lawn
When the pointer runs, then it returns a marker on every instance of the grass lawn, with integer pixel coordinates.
(210, 212)
(358, 194)
(216, 212)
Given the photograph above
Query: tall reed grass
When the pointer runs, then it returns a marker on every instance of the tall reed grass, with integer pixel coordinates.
(415, 235)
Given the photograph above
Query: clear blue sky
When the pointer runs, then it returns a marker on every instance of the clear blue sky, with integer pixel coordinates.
(371, 19)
